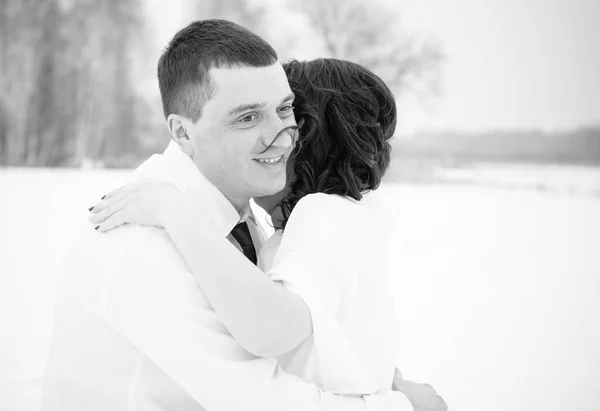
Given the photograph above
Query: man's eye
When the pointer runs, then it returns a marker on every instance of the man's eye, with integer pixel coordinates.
(286, 109)
(249, 118)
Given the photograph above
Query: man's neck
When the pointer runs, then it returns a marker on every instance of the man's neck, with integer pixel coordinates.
(240, 203)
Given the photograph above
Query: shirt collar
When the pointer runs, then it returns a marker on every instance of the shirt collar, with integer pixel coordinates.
(173, 166)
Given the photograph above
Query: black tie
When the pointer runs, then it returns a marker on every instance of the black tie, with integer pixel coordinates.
(242, 234)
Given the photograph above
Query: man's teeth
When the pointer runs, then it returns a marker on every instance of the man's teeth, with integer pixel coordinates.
(270, 160)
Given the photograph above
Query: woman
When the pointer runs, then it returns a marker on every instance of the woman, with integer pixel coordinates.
(329, 248)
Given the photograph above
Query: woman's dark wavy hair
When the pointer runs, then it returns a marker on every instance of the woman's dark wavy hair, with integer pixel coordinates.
(349, 117)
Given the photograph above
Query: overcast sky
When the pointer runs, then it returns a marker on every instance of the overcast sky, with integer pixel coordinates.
(510, 63)
(514, 63)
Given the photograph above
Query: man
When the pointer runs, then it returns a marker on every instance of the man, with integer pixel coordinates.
(133, 330)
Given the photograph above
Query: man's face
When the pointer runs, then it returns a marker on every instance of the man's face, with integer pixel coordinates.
(248, 107)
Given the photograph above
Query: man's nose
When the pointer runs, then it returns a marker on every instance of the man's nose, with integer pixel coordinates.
(284, 137)
(279, 135)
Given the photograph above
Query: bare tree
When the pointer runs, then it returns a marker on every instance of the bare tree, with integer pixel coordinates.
(102, 36)
(369, 33)
(20, 33)
(3, 78)
(66, 92)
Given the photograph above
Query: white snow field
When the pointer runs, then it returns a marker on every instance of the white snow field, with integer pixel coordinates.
(497, 290)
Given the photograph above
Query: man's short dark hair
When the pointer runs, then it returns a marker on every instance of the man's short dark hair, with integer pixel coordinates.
(183, 68)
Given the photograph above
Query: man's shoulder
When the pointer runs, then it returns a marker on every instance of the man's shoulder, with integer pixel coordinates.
(117, 241)
(94, 256)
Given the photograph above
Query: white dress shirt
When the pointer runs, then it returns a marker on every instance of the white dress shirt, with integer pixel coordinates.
(133, 330)
(333, 255)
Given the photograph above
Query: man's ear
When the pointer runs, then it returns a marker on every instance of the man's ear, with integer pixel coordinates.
(179, 134)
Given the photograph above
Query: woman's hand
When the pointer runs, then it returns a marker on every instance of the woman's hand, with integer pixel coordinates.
(423, 397)
(138, 203)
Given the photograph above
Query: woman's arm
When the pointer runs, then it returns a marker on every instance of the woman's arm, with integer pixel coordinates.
(262, 315)
(266, 318)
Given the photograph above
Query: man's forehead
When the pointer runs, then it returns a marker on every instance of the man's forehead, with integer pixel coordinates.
(237, 86)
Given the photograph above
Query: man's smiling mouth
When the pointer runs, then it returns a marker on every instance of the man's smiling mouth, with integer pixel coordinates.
(272, 160)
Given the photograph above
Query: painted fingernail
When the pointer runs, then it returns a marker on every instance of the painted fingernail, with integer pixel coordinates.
(91, 208)
(95, 228)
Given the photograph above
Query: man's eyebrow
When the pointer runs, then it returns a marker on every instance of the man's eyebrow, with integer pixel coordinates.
(245, 107)
(290, 96)
(255, 106)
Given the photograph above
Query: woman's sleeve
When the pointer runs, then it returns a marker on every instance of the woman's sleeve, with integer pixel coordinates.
(310, 264)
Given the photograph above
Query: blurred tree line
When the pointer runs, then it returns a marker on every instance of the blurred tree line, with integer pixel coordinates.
(580, 146)
(69, 69)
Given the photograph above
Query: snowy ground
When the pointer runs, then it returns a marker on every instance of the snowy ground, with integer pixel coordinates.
(497, 290)
(568, 179)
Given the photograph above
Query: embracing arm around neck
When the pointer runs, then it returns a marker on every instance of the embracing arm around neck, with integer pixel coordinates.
(262, 315)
